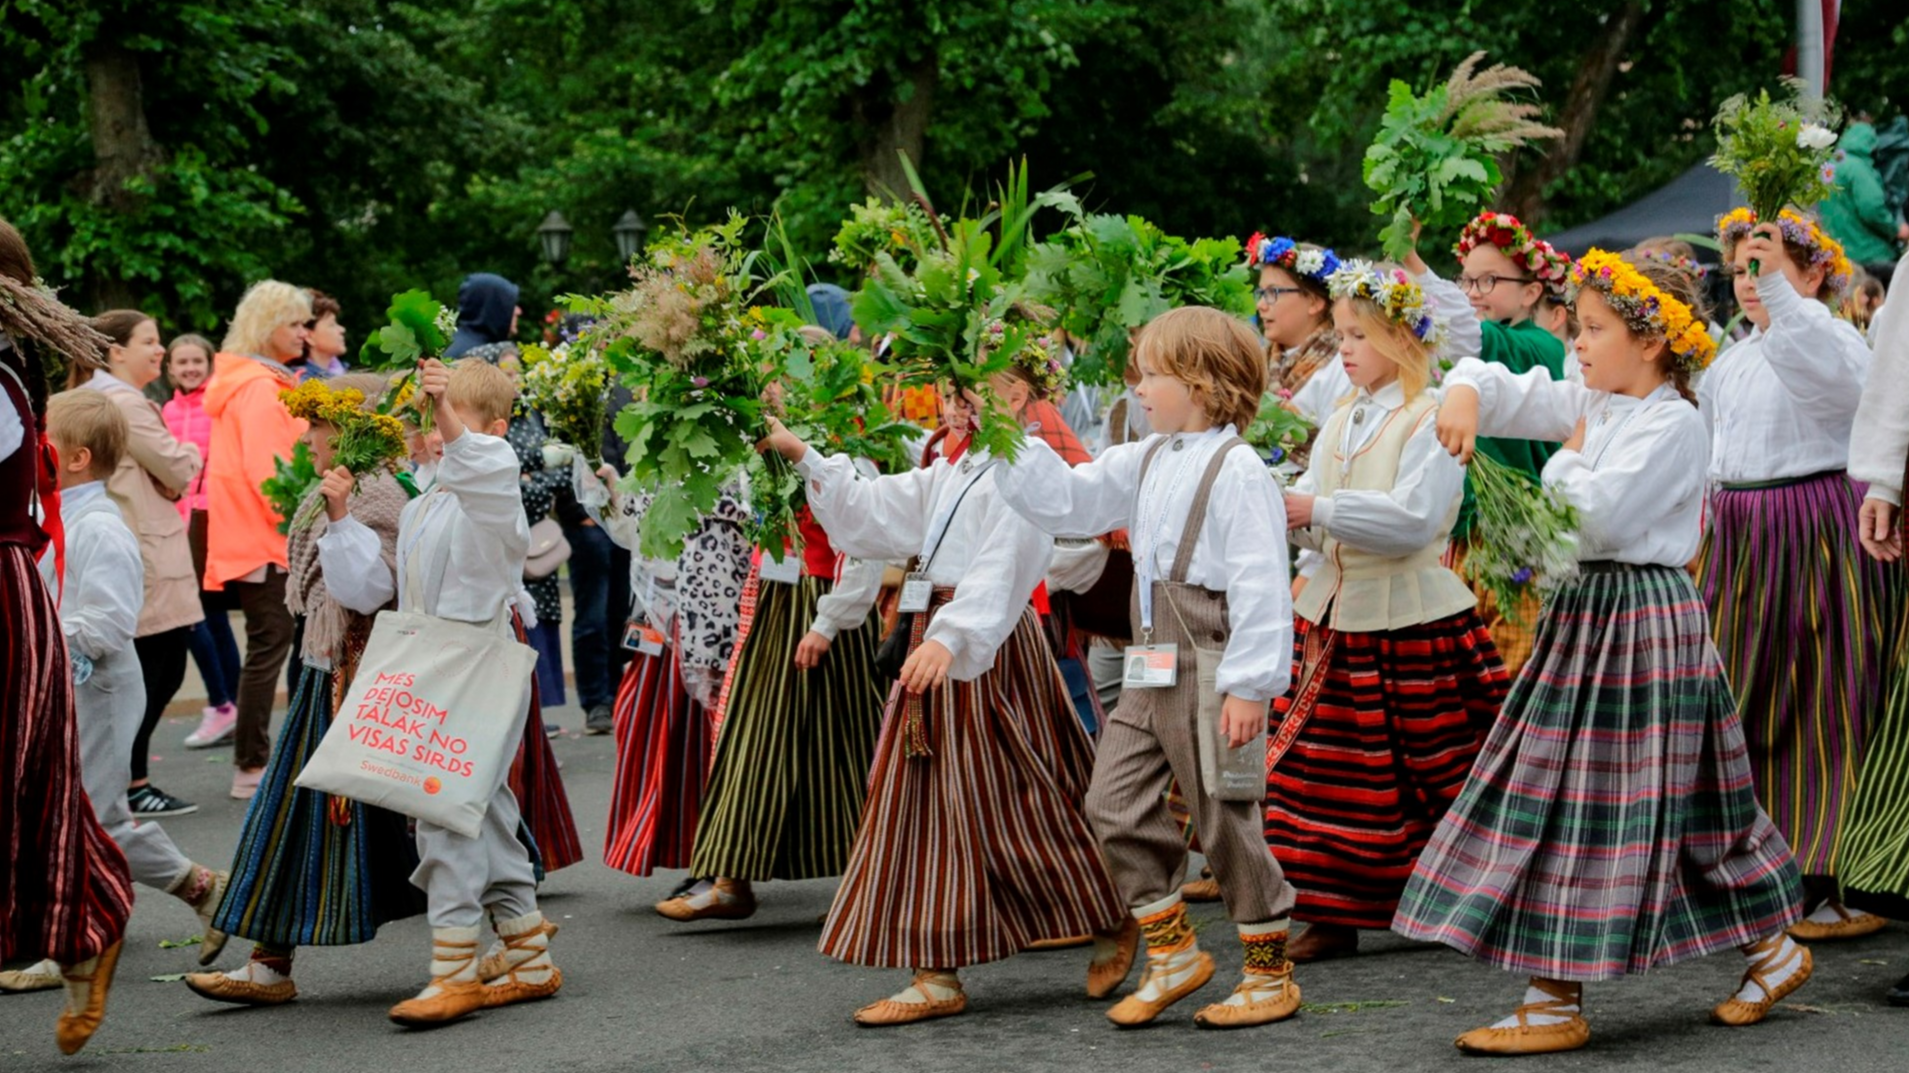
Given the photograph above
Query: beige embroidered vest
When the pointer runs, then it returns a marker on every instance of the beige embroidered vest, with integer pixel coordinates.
(1365, 592)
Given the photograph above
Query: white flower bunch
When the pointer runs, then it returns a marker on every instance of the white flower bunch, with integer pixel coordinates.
(1815, 136)
(446, 321)
(1309, 262)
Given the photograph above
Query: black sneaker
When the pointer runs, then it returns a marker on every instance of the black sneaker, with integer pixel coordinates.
(600, 721)
(151, 803)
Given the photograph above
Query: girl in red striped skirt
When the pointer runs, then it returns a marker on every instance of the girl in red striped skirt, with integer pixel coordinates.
(973, 845)
(68, 891)
(1396, 678)
(683, 636)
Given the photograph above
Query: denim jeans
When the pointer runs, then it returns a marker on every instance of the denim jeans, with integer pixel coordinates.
(601, 594)
(217, 653)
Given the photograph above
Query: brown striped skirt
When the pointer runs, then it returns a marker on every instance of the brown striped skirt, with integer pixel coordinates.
(970, 853)
(66, 893)
(792, 760)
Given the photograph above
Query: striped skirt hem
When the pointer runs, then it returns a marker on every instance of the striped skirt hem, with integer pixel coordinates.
(792, 760)
(662, 765)
(1610, 825)
(970, 853)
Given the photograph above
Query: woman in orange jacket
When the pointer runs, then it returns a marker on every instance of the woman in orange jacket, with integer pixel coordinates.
(245, 552)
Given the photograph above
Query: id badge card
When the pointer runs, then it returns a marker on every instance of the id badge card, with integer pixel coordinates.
(916, 592)
(642, 638)
(786, 572)
(1151, 666)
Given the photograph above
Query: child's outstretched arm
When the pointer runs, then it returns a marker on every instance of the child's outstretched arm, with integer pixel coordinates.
(866, 517)
(1484, 398)
(1072, 501)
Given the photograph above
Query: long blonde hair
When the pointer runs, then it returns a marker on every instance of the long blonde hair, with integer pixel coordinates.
(268, 306)
(1395, 343)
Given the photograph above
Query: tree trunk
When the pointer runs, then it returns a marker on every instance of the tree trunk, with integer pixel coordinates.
(123, 148)
(896, 119)
(1524, 195)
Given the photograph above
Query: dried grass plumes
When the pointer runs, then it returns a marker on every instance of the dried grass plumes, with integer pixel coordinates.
(1475, 104)
(668, 303)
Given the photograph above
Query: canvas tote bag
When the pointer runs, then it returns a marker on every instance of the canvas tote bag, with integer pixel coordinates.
(434, 716)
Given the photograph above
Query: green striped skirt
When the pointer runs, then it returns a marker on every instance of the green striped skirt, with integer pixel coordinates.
(1873, 855)
(1609, 825)
(791, 771)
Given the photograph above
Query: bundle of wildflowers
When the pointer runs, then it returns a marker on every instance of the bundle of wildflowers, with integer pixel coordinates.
(1279, 433)
(900, 229)
(568, 385)
(362, 440)
(1109, 275)
(419, 327)
(1525, 534)
(1436, 156)
(1779, 150)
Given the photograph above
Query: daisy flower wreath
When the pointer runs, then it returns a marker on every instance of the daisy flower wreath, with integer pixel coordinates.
(1313, 262)
(1402, 300)
(1798, 230)
(1647, 310)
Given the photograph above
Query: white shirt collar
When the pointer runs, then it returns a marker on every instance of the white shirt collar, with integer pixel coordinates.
(81, 494)
(1389, 397)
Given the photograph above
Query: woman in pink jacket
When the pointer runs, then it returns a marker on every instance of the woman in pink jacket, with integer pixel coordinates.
(188, 367)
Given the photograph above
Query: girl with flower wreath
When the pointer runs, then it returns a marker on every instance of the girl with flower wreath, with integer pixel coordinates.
(1610, 825)
(1803, 618)
(974, 844)
(1295, 316)
(1506, 274)
(1395, 679)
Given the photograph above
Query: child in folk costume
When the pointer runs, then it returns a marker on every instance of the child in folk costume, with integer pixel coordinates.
(685, 634)
(68, 892)
(800, 710)
(1506, 273)
(1804, 620)
(973, 845)
(1208, 533)
(472, 521)
(1871, 864)
(1397, 679)
(1295, 316)
(100, 598)
(1610, 825)
(312, 869)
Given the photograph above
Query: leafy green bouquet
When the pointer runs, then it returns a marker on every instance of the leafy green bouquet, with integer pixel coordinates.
(957, 317)
(285, 489)
(419, 327)
(1278, 432)
(568, 385)
(1109, 275)
(1781, 151)
(1524, 533)
(901, 229)
(1435, 157)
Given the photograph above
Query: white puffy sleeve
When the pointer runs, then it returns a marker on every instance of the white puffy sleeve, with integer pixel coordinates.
(1661, 462)
(1879, 444)
(483, 473)
(1247, 531)
(1464, 334)
(99, 609)
(867, 517)
(1010, 558)
(1412, 512)
(351, 557)
(1527, 406)
(846, 606)
(1820, 362)
(1087, 500)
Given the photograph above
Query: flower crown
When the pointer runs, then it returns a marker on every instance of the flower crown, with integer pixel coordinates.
(1678, 261)
(1734, 226)
(1312, 262)
(1646, 309)
(1401, 300)
(1515, 241)
(1035, 360)
(314, 400)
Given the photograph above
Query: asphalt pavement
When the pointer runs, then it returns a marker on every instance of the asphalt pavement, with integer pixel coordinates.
(643, 993)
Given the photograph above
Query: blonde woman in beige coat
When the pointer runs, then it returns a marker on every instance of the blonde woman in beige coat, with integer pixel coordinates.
(151, 476)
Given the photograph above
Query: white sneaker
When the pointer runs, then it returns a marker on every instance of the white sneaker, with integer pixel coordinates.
(215, 728)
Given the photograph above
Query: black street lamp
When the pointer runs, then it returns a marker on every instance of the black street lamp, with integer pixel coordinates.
(631, 232)
(554, 233)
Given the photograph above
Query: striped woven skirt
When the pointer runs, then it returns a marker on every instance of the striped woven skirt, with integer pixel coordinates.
(312, 869)
(662, 765)
(1872, 855)
(1609, 825)
(792, 761)
(973, 844)
(1398, 721)
(537, 782)
(66, 892)
(1799, 610)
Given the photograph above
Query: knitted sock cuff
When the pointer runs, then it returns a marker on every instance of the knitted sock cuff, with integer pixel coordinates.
(1265, 952)
(1168, 928)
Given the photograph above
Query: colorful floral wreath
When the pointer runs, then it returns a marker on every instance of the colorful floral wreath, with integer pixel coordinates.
(1515, 241)
(1036, 359)
(1734, 226)
(1312, 262)
(1401, 300)
(1646, 309)
(1696, 269)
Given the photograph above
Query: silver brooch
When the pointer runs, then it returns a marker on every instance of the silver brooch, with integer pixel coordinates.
(1358, 416)
(966, 465)
(1177, 444)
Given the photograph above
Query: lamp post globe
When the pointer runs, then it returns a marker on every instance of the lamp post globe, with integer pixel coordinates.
(555, 233)
(630, 233)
